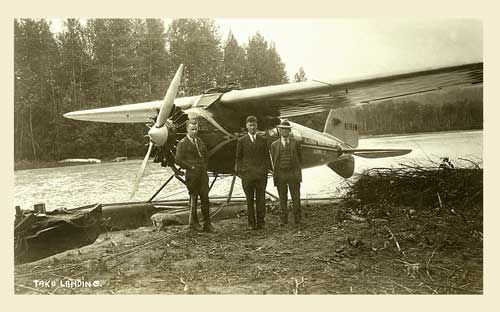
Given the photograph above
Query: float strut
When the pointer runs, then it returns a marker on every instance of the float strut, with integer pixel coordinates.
(213, 182)
(272, 195)
(161, 188)
(180, 179)
(231, 189)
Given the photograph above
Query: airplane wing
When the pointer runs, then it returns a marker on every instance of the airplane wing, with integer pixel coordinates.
(317, 96)
(129, 113)
(304, 97)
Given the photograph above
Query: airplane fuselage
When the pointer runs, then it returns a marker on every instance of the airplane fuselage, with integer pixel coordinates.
(221, 139)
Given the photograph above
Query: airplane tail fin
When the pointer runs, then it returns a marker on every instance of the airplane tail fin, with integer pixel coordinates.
(342, 124)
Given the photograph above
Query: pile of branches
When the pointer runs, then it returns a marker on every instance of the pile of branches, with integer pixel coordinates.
(380, 192)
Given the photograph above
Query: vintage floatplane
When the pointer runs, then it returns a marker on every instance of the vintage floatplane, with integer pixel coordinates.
(221, 114)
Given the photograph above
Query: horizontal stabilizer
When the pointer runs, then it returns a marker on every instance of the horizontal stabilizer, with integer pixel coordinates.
(376, 153)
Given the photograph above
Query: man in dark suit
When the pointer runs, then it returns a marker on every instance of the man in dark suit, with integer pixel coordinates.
(191, 155)
(252, 164)
(287, 173)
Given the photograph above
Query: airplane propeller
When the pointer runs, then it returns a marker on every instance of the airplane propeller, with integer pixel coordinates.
(158, 134)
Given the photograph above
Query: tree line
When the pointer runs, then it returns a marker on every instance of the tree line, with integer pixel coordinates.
(105, 62)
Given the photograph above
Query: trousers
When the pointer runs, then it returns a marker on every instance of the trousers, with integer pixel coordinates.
(197, 184)
(288, 181)
(255, 192)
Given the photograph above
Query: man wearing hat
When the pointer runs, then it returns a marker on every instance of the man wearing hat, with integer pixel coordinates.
(287, 158)
(252, 164)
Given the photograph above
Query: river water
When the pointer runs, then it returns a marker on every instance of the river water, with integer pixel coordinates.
(112, 182)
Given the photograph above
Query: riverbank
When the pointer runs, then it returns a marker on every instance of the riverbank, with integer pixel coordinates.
(409, 230)
(29, 164)
(330, 256)
(38, 164)
(426, 244)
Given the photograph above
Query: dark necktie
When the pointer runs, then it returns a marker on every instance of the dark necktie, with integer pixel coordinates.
(197, 147)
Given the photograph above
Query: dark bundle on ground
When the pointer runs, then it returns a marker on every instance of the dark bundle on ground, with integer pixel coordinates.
(432, 215)
(443, 189)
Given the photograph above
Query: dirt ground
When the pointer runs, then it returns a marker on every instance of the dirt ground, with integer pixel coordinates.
(413, 252)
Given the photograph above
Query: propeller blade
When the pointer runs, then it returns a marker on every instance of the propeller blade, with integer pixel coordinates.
(141, 170)
(168, 103)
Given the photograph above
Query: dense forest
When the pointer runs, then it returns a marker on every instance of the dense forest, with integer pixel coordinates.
(104, 62)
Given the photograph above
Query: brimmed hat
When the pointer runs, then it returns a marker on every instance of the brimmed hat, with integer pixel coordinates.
(285, 124)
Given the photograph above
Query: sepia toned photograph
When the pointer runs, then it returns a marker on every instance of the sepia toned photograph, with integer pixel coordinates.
(269, 156)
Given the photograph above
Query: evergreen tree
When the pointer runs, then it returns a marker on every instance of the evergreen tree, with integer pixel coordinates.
(74, 64)
(276, 68)
(152, 68)
(256, 64)
(118, 66)
(71, 82)
(264, 66)
(234, 60)
(100, 42)
(36, 59)
(196, 44)
(300, 75)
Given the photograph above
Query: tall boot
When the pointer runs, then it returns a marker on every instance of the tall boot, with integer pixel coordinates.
(284, 218)
(193, 213)
(207, 225)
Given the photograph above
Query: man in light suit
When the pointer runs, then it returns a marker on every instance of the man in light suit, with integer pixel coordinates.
(287, 173)
(191, 155)
(252, 164)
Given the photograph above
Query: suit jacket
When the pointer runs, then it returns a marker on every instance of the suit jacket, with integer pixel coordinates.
(252, 159)
(296, 154)
(187, 155)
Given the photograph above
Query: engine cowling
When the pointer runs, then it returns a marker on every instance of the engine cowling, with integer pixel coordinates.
(158, 135)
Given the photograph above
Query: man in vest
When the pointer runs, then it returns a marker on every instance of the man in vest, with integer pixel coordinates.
(191, 155)
(252, 164)
(287, 174)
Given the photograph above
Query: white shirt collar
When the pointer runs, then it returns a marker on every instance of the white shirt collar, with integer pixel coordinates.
(284, 140)
(253, 137)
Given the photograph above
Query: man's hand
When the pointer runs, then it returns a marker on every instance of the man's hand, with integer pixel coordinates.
(176, 171)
